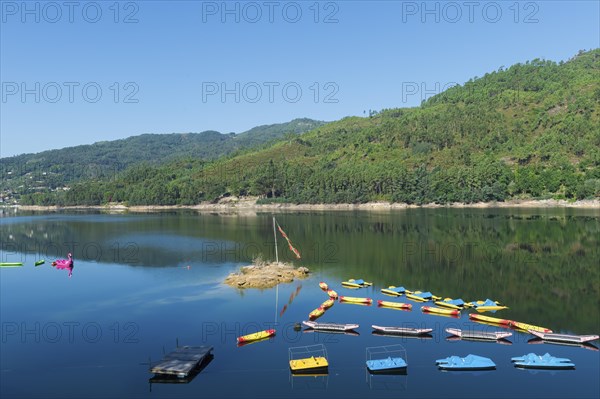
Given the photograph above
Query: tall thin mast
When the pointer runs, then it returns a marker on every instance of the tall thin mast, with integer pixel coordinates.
(275, 236)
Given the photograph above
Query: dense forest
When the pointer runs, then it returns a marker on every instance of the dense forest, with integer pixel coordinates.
(46, 171)
(529, 131)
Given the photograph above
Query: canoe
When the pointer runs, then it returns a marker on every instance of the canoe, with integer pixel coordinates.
(323, 286)
(11, 264)
(256, 336)
(451, 303)
(332, 293)
(434, 310)
(402, 330)
(533, 361)
(469, 362)
(352, 299)
(318, 312)
(479, 335)
(40, 262)
(352, 283)
(577, 339)
(330, 326)
(488, 319)
(308, 364)
(386, 364)
(392, 290)
(327, 304)
(397, 305)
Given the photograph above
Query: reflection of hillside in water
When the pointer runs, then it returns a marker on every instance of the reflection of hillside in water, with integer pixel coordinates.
(542, 263)
(135, 242)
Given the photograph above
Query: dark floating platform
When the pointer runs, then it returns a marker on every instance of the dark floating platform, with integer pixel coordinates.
(183, 363)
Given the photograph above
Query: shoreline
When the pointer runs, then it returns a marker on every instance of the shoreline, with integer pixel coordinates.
(250, 205)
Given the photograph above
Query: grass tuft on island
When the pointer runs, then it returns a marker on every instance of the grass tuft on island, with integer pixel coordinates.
(262, 274)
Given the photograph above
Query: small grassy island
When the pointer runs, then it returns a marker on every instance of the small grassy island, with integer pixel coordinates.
(262, 274)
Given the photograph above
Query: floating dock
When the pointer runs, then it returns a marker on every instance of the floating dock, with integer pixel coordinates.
(182, 361)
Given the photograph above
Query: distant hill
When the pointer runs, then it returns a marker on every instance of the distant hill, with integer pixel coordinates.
(52, 169)
(529, 131)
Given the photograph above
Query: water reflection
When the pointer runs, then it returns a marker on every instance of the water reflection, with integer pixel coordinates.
(65, 264)
(542, 258)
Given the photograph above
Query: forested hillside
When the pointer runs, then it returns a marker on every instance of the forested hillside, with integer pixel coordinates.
(49, 170)
(529, 131)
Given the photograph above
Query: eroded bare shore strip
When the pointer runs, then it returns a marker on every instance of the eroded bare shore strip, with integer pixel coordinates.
(249, 204)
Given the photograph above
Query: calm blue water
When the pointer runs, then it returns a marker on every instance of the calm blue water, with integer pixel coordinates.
(132, 297)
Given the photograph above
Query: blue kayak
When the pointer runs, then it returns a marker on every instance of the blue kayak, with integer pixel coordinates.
(387, 364)
(469, 362)
(533, 361)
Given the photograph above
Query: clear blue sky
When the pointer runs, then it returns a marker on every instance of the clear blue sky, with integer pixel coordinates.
(165, 70)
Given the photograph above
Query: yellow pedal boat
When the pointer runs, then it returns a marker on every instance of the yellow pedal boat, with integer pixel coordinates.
(308, 364)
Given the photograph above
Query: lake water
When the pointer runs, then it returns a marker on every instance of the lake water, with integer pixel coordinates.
(144, 282)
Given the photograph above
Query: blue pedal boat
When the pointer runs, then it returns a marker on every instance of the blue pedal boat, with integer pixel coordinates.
(533, 361)
(387, 364)
(389, 359)
(469, 362)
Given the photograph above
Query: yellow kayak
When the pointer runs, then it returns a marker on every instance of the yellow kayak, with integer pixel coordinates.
(323, 286)
(527, 327)
(327, 304)
(511, 323)
(488, 319)
(256, 336)
(308, 363)
(356, 300)
(397, 305)
(332, 294)
(318, 312)
(433, 309)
